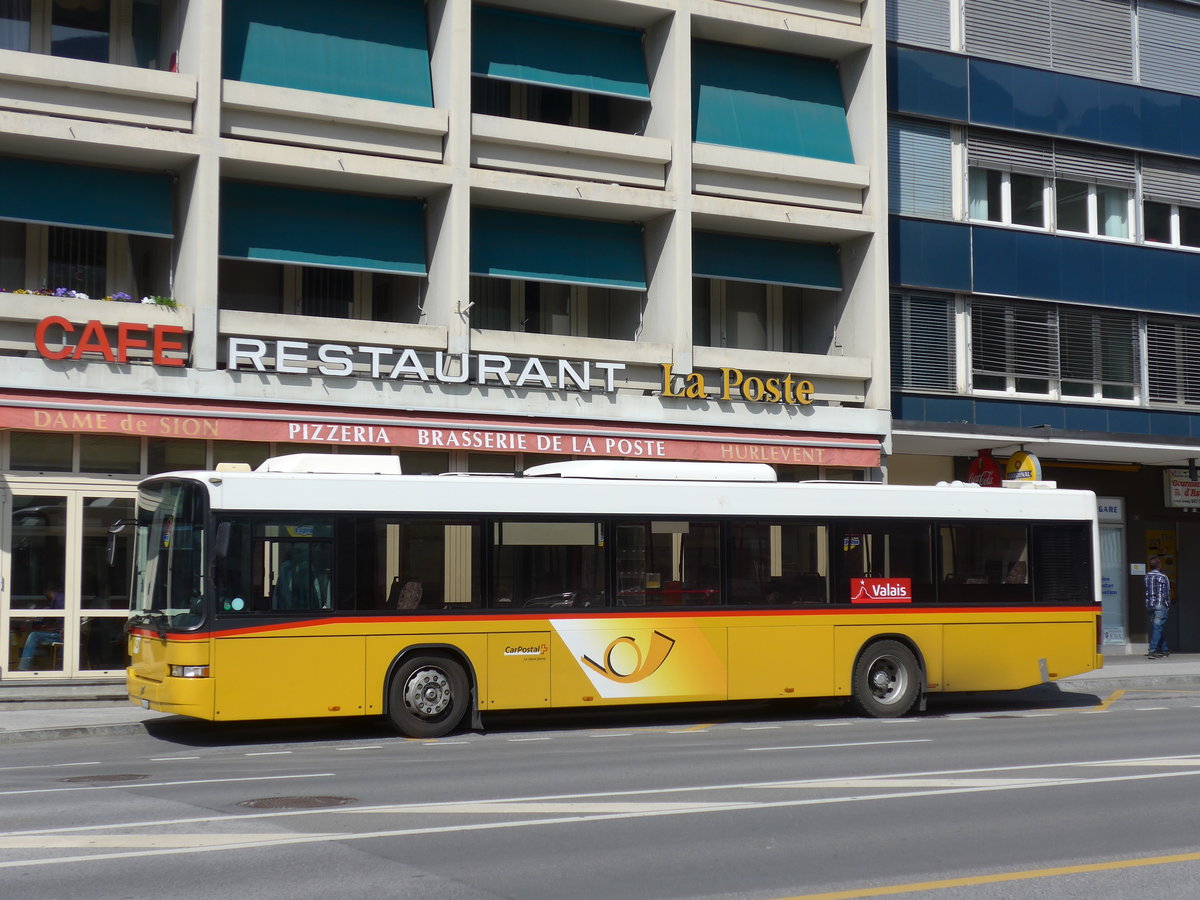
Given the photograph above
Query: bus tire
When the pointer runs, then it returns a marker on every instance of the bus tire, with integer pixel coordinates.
(428, 696)
(886, 681)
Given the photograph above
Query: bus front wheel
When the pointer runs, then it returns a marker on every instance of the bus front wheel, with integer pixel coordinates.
(887, 680)
(428, 696)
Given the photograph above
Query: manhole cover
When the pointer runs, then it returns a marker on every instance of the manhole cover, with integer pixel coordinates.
(101, 779)
(295, 802)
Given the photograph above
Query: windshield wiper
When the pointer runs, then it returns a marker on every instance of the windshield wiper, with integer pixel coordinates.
(156, 618)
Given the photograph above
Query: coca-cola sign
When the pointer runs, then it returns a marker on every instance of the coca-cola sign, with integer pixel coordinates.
(881, 590)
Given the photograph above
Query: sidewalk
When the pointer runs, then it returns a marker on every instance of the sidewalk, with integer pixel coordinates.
(49, 712)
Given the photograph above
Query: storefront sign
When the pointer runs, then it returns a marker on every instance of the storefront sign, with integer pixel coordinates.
(1111, 509)
(58, 338)
(1181, 492)
(612, 442)
(403, 363)
(984, 470)
(772, 389)
(1023, 466)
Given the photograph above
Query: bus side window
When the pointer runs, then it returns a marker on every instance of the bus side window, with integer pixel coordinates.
(984, 563)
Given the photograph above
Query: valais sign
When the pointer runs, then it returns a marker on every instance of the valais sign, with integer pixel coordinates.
(881, 590)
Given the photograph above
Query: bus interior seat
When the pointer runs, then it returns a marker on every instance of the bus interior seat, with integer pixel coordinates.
(406, 597)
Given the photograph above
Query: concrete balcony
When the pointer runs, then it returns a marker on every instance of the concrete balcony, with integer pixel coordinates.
(778, 178)
(565, 152)
(79, 89)
(332, 122)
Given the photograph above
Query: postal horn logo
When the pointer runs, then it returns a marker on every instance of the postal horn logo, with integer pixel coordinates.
(620, 666)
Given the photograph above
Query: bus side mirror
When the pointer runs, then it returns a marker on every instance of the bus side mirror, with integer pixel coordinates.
(221, 546)
(110, 543)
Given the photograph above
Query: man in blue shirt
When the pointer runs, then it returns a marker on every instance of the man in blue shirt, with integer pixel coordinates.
(1158, 604)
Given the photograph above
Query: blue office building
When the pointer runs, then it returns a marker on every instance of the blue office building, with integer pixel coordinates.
(1044, 191)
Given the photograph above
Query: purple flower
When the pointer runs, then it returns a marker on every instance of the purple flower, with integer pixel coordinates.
(63, 292)
(121, 295)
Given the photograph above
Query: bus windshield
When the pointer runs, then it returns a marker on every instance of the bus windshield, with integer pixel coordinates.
(169, 568)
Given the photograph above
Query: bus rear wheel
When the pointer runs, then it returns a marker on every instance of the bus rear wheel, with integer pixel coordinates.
(428, 696)
(887, 680)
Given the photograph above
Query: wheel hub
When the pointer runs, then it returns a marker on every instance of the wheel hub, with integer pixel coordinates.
(427, 692)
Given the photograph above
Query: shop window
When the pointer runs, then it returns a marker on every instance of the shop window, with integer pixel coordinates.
(424, 462)
(111, 454)
(537, 307)
(142, 33)
(252, 453)
(168, 455)
(40, 451)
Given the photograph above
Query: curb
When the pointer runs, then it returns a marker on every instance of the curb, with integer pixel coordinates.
(65, 732)
(1142, 683)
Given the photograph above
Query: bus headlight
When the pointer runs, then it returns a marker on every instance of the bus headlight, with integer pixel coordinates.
(189, 671)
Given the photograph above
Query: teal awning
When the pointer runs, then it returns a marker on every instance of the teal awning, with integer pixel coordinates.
(763, 100)
(376, 49)
(318, 228)
(56, 193)
(738, 258)
(578, 56)
(552, 248)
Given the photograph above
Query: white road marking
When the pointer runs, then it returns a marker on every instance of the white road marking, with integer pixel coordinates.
(352, 749)
(105, 841)
(828, 724)
(1148, 708)
(526, 740)
(608, 734)
(171, 758)
(859, 783)
(127, 785)
(850, 744)
(269, 753)
(240, 841)
(562, 807)
(759, 727)
(1164, 761)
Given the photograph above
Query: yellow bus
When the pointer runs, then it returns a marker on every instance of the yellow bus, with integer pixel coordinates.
(337, 586)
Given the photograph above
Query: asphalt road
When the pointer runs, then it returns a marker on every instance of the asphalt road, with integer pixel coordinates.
(1055, 796)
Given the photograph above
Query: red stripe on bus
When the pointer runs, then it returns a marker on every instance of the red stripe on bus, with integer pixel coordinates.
(1024, 611)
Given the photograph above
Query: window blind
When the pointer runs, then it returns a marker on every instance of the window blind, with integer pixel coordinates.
(762, 100)
(56, 193)
(375, 49)
(920, 169)
(762, 261)
(596, 59)
(1170, 181)
(1010, 152)
(1092, 37)
(1098, 348)
(1093, 164)
(507, 244)
(924, 352)
(1016, 31)
(1169, 46)
(1173, 361)
(320, 228)
(1014, 339)
(925, 23)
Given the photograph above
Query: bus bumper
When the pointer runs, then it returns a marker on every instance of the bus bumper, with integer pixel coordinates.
(178, 696)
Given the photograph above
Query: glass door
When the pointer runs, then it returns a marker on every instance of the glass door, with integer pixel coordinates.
(64, 607)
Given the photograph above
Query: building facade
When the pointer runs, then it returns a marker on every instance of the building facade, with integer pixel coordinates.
(475, 235)
(1045, 264)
